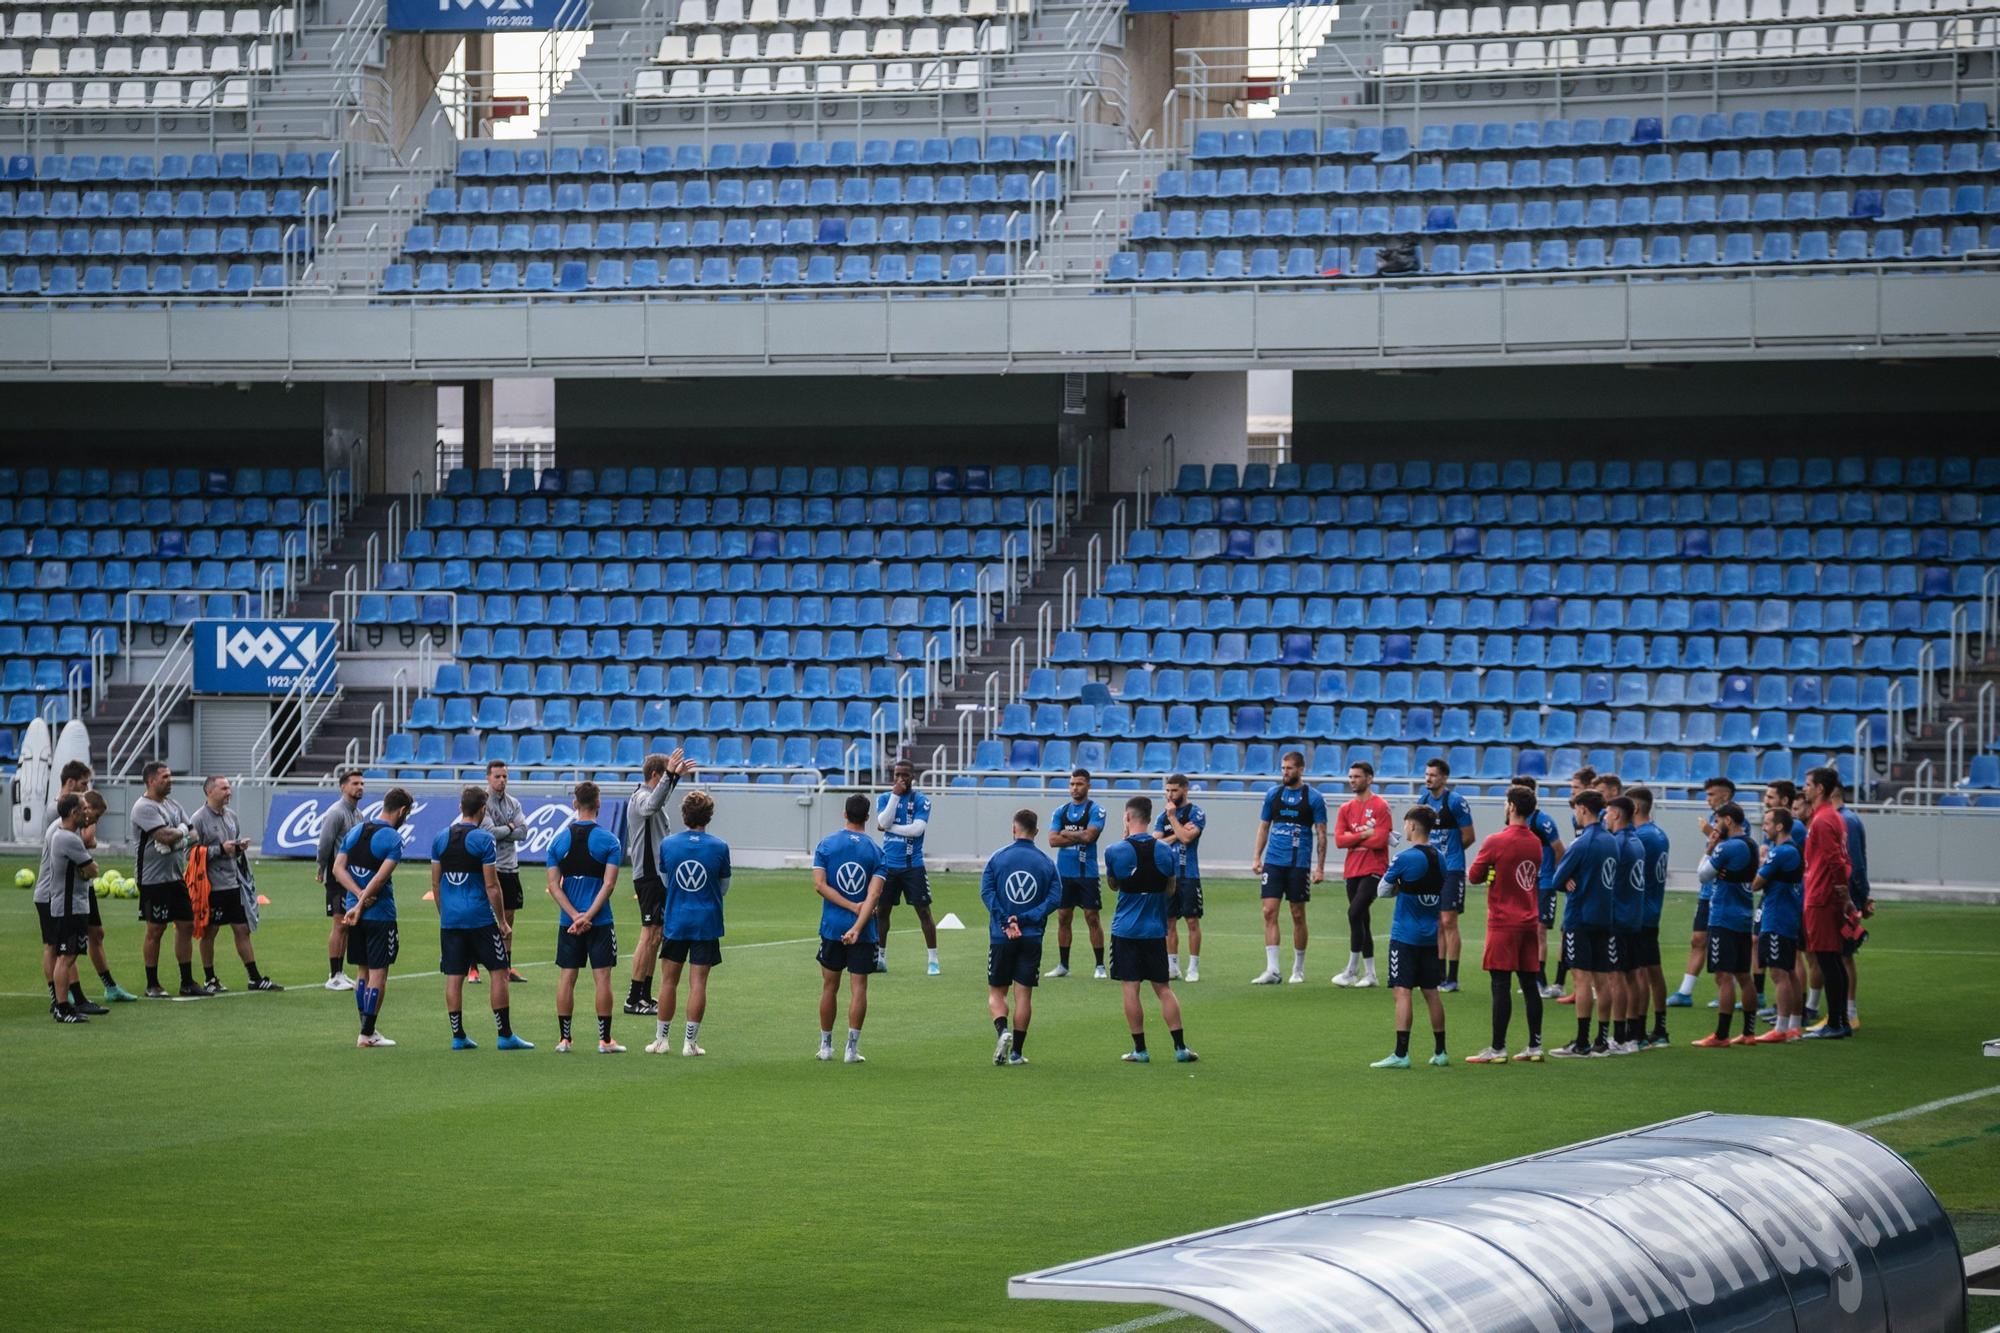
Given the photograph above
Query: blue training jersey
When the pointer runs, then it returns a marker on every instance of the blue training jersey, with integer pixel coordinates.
(1453, 814)
(1586, 873)
(1141, 868)
(1730, 907)
(365, 861)
(1019, 881)
(1417, 874)
(1187, 855)
(1545, 829)
(1293, 814)
(694, 865)
(851, 861)
(1857, 856)
(1784, 874)
(1628, 894)
(1654, 839)
(462, 852)
(900, 852)
(583, 849)
(1078, 862)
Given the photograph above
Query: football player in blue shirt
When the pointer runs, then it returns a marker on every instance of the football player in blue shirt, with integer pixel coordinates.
(1781, 879)
(1544, 827)
(1020, 888)
(1781, 794)
(1142, 871)
(1073, 835)
(583, 870)
(847, 875)
(1586, 873)
(1180, 826)
(1628, 916)
(1451, 837)
(1582, 780)
(1653, 839)
(1289, 859)
(362, 868)
(1857, 892)
(472, 919)
(1719, 791)
(1730, 868)
(902, 814)
(1416, 880)
(694, 866)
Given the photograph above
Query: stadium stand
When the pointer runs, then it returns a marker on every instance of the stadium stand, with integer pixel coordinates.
(763, 619)
(1807, 186)
(783, 214)
(1667, 621)
(133, 58)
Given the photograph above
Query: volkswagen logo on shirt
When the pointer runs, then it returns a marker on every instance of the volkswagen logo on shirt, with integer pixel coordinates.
(1021, 887)
(1663, 868)
(851, 879)
(1526, 875)
(1608, 872)
(457, 878)
(690, 877)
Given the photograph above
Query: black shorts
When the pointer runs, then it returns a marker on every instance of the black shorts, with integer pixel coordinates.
(911, 885)
(67, 935)
(1777, 953)
(858, 957)
(1083, 893)
(1646, 947)
(652, 901)
(1590, 949)
(1185, 900)
(1452, 897)
(225, 908)
(1850, 947)
(1545, 906)
(160, 903)
(1415, 966)
(510, 889)
(1701, 917)
(462, 948)
(96, 920)
(1625, 948)
(595, 948)
(1139, 960)
(697, 953)
(372, 944)
(336, 898)
(1729, 951)
(1016, 962)
(1292, 883)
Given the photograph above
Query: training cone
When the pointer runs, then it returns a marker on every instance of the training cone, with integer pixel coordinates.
(430, 897)
(262, 901)
(951, 922)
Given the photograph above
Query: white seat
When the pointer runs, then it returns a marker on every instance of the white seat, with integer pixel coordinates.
(1697, 13)
(946, 11)
(96, 96)
(1849, 38)
(27, 26)
(224, 60)
(1425, 60)
(235, 93)
(873, 11)
(153, 60)
(707, 48)
(981, 9)
(1624, 14)
(816, 45)
(1740, 45)
(24, 97)
(781, 46)
(862, 78)
(138, 25)
(1022, 7)
(63, 27)
(909, 11)
(1670, 48)
(1802, 11)
(1395, 60)
(1588, 14)
(684, 83)
(996, 39)
(173, 23)
(899, 76)
(189, 60)
(1950, 6)
(933, 76)
(59, 96)
(719, 83)
(1869, 9)
(261, 57)
(201, 92)
(1565, 53)
(728, 13)
(1838, 9)
(1493, 57)
(755, 82)
(1767, 11)
(764, 13)
(673, 49)
(1459, 57)
(744, 46)
(828, 78)
(100, 25)
(1556, 18)
(801, 13)
(1635, 49)
(246, 23)
(1777, 44)
(693, 14)
(852, 45)
(837, 11)
(211, 23)
(1485, 21)
(131, 96)
(1521, 19)
(10, 62)
(1422, 23)
(281, 21)
(924, 42)
(791, 81)
(1810, 43)
(1453, 22)
(888, 42)
(167, 94)
(1531, 54)
(649, 83)
(965, 79)
(82, 61)
(1600, 51)
(1884, 38)
(1921, 35)
(1660, 14)
(46, 62)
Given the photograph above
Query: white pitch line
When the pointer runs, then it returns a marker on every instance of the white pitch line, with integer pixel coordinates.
(1910, 1113)
(1148, 1321)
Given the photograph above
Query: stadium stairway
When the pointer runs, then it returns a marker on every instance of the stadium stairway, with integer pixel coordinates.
(1927, 743)
(1112, 185)
(349, 720)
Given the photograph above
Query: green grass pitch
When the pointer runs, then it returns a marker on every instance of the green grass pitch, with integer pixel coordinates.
(237, 1162)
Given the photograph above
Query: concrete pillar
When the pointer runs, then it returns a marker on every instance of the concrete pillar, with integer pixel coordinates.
(402, 437)
(477, 423)
(345, 431)
(1153, 43)
(478, 83)
(1206, 412)
(415, 60)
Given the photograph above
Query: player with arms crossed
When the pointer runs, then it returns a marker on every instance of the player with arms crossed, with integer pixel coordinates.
(1362, 828)
(363, 868)
(1290, 858)
(334, 826)
(160, 827)
(1544, 828)
(508, 823)
(1731, 866)
(902, 814)
(1416, 880)
(1180, 826)
(1718, 791)
(472, 919)
(62, 903)
(1653, 839)
(847, 875)
(1073, 836)
(1452, 837)
(583, 871)
(1586, 873)
(1142, 870)
(1512, 860)
(1019, 887)
(1781, 879)
(1828, 906)
(694, 863)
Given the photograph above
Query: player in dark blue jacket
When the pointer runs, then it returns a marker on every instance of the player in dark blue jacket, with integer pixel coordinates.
(1730, 868)
(1781, 924)
(1590, 948)
(1628, 917)
(1544, 826)
(847, 875)
(1654, 839)
(472, 919)
(583, 869)
(694, 867)
(1416, 879)
(363, 867)
(1020, 888)
(1142, 869)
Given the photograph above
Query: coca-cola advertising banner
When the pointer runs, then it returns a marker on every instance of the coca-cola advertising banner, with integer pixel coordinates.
(292, 827)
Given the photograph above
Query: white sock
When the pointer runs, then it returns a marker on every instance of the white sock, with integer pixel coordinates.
(1353, 967)
(1369, 963)
(1853, 1011)
(1813, 997)
(1270, 958)
(692, 1029)
(663, 1030)
(826, 1041)
(853, 1039)
(1194, 962)
(933, 954)
(1173, 966)
(1687, 983)
(1298, 960)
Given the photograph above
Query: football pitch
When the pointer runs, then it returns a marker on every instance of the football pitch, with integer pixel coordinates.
(236, 1162)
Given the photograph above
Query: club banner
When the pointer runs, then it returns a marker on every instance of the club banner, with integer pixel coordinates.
(486, 15)
(258, 656)
(292, 827)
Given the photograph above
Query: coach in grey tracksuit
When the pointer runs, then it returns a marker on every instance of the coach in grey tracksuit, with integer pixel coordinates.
(508, 823)
(333, 827)
(646, 826)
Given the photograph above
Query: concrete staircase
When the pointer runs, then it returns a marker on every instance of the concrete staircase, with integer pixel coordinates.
(1927, 743)
(349, 720)
(1112, 185)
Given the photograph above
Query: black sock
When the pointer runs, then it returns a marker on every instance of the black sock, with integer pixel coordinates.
(1602, 1028)
(503, 1021)
(105, 977)
(1583, 1031)
(64, 1007)
(1098, 949)
(187, 974)
(207, 972)
(1451, 969)
(1562, 970)
(562, 1023)
(76, 996)
(1000, 1027)
(251, 968)
(636, 992)
(1063, 950)
(1749, 1020)
(1503, 1008)
(1722, 1018)
(50, 987)
(604, 1027)
(1438, 1036)
(1020, 1039)
(457, 1017)
(1659, 1020)
(333, 964)
(367, 1025)
(1139, 1042)
(1180, 1042)
(152, 978)
(1403, 1042)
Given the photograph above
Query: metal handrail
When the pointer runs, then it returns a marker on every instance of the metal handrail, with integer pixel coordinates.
(239, 601)
(1117, 533)
(171, 683)
(296, 718)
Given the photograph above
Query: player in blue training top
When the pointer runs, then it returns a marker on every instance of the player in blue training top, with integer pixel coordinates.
(1073, 835)
(1858, 893)
(1180, 826)
(472, 919)
(1543, 825)
(1730, 868)
(1628, 917)
(1587, 873)
(363, 867)
(1719, 791)
(694, 866)
(1781, 879)
(1653, 839)
(847, 873)
(902, 814)
(1020, 888)
(1290, 858)
(1142, 870)
(1451, 837)
(583, 870)
(1416, 880)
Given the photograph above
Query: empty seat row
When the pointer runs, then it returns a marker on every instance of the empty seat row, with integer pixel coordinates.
(1588, 15)
(1776, 615)
(140, 21)
(576, 275)
(140, 543)
(1860, 544)
(158, 205)
(1423, 478)
(804, 13)
(1915, 37)
(735, 233)
(655, 683)
(1603, 574)
(69, 242)
(1453, 506)
(138, 280)
(813, 192)
(692, 612)
(702, 645)
(797, 80)
(558, 713)
(82, 62)
(141, 168)
(130, 95)
(469, 751)
(672, 482)
(608, 529)
(113, 575)
(64, 510)
(853, 43)
(759, 155)
(554, 576)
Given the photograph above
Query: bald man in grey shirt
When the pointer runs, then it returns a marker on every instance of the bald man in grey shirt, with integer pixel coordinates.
(333, 827)
(508, 823)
